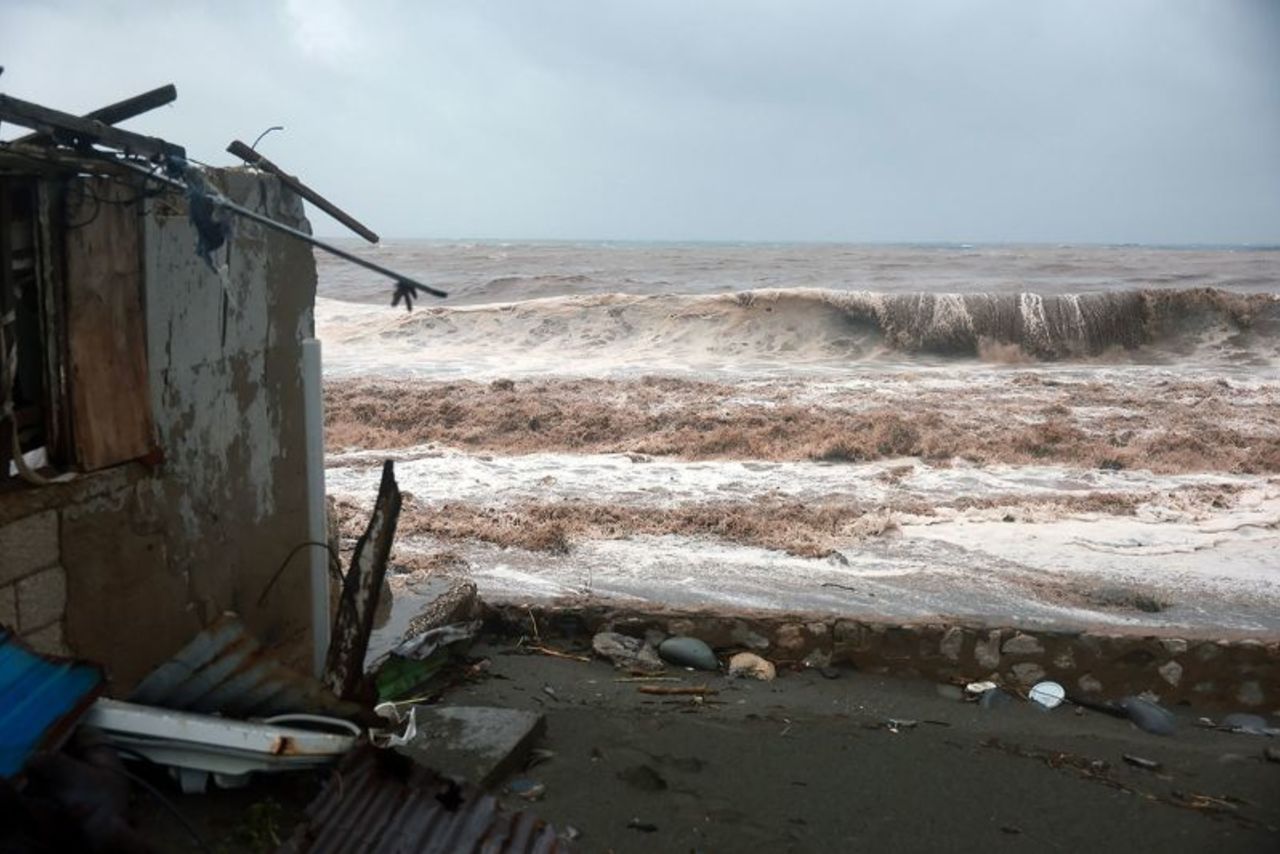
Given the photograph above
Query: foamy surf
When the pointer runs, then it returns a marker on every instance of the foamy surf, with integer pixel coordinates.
(1003, 435)
(794, 329)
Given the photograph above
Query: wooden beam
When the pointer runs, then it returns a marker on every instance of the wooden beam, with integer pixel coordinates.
(253, 158)
(344, 667)
(113, 114)
(62, 125)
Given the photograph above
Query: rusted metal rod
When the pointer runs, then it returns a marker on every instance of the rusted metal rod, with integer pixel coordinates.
(117, 112)
(402, 282)
(253, 158)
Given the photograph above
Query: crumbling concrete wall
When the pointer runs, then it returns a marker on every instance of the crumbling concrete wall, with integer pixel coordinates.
(124, 566)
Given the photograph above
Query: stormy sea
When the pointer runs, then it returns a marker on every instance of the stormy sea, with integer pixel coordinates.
(1081, 436)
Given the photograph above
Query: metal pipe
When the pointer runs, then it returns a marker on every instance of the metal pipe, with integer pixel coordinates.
(317, 517)
(403, 283)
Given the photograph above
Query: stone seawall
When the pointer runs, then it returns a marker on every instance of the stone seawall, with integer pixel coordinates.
(1205, 672)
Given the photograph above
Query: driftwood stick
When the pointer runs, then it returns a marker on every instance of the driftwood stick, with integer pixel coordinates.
(668, 690)
(344, 667)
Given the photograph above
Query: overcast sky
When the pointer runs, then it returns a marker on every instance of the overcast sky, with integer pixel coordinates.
(988, 120)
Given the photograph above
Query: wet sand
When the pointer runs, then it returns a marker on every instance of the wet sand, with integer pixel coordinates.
(806, 763)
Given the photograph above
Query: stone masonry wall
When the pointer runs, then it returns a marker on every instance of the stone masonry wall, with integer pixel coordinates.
(1205, 672)
(33, 584)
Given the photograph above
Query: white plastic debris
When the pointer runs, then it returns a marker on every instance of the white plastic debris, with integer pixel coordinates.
(1047, 694)
(980, 688)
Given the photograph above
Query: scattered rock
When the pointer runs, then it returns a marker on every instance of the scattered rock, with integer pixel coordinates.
(952, 643)
(642, 826)
(1272, 754)
(1148, 716)
(817, 659)
(1250, 693)
(688, 652)
(1171, 672)
(1027, 672)
(829, 672)
(748, 664)
(1245, 723)
(1021, 644)
(626, 652)
(643, 777)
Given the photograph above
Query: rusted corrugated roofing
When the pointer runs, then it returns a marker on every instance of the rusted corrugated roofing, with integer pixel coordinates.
(41, 698)
(224, 670)
(380, 801)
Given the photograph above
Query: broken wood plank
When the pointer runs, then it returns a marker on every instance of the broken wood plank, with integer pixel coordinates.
(106, 335)
(253, 158)
(344, 666)
(65, 126)
(113, 114)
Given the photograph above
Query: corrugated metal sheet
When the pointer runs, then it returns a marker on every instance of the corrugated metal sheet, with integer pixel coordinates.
(224, 670)
(41, 698)
(380, 801)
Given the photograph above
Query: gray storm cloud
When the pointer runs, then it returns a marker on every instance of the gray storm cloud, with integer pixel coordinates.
(1002, 120)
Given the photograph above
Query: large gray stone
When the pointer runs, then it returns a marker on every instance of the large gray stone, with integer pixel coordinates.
(626, 652)
(1021, 644)
(688, 652)
(478, 744)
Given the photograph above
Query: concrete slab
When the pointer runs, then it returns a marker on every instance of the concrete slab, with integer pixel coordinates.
(478, 744)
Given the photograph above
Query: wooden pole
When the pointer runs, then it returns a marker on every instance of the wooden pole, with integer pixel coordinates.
(113, 114)
(253, 158)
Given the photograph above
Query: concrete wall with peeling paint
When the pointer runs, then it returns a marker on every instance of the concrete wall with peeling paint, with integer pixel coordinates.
(144, 556)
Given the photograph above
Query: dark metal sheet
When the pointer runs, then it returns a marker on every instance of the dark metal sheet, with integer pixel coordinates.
(224, 670)
(41, 698)
(379, 801)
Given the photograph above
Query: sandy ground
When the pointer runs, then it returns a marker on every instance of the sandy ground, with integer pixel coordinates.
(807, 763)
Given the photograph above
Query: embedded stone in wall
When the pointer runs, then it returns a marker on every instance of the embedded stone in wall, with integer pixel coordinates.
(1027, 672)
(1089, 684)
(1021, 644)
(744, 636)
(28, 544)
(898, 643)
(48, 641)
(790, 638)
(986, 652)
(42, 598)
(1171, 672)
(1174, 646)
(952, 643)
(1065, 659)
(1207, 651)
(1250, 693)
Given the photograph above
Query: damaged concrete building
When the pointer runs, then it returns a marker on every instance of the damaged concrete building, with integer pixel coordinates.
(160, 448)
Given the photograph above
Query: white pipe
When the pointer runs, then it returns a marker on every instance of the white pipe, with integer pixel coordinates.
(317, 517)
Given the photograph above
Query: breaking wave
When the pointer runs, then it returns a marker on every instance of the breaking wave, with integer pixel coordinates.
(807, 325)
